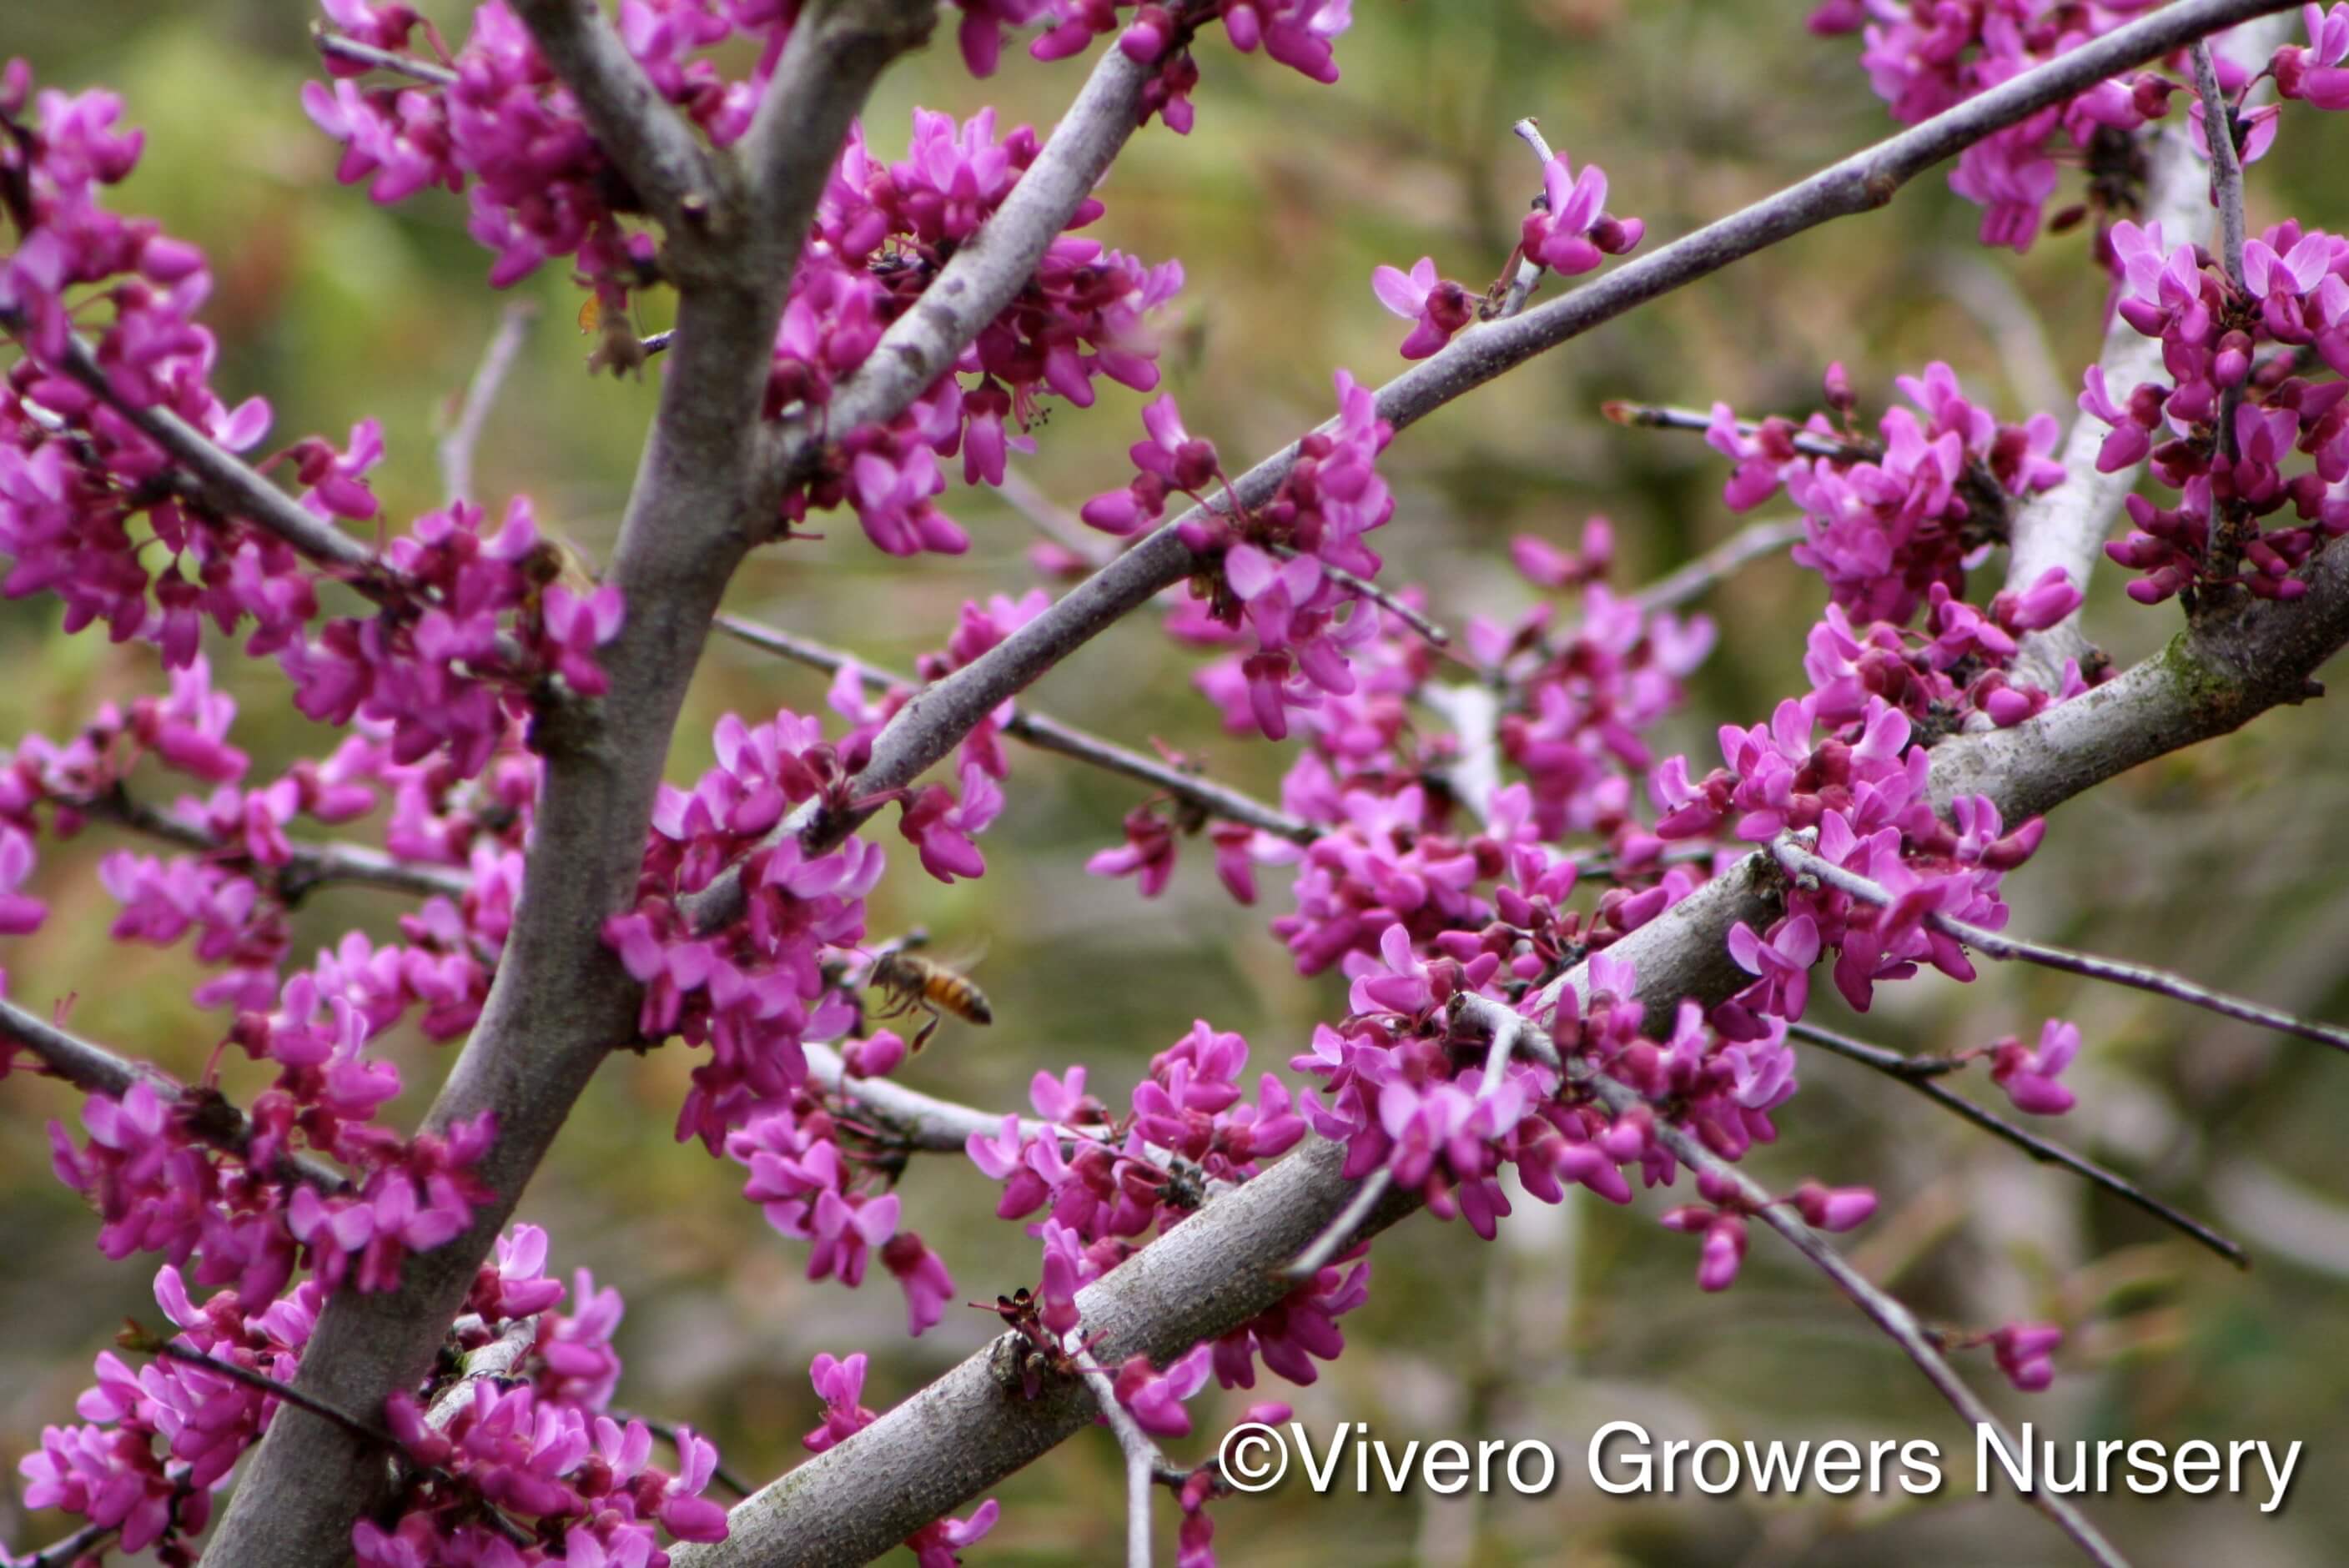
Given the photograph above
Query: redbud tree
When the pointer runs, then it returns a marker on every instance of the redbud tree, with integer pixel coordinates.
(1572, 965)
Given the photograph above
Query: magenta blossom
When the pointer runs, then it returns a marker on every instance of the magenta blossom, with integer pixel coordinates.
(2029, 1076)
(1436, 307)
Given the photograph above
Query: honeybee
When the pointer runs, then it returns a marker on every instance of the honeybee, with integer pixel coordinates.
(915, 983)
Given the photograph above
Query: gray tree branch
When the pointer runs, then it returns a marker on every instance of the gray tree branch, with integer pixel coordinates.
(655, 149)
(935, 720)
(700, 499)
(1046, 734)
(963, 1433)
(94, 1069)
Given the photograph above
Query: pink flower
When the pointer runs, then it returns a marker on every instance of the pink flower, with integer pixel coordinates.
(1437, 307)
(1155, 1399)
(1147, 855)
(1569, 232)
(923, 1275)
(1723, 1251)
(576, 628)
(942, 827)
(1833, 1207)
(2024, 1352)
(20, 914)
(1784, 963)
(938, 1545)
(2029, 1076)
(839, 1385)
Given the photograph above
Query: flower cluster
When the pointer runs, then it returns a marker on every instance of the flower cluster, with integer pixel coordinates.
(507, 133)
(79, 482)
(884, 229)
(1297, 33)
(157, 1441)
(1385, 790)
(815, 1189)
(1266, 573)
(1889, 518)
(753, 991)
(82, 476)
(1585, 693)
(111, 1471)
(2240, 408)
(536, 1443)
(504, 132)
(1923, 59)
(247, 1218)
(419, 666)
(1103, 1183)
(1568, 232)
(235, 894)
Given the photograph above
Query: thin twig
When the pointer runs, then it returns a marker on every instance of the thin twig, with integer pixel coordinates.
(458, 445)
(228, 482)
(2064, 527)
(1529, 272)
(1881, 1308)
(1920, 1072)
(2225, 161)
(1501, 1023)
(1660, 417)
(1375, 594)
(498, 1358)
(1047, 735)
(172, 1351)
(920, 1123)
(70, 1549)
(1751, 542)
(2227, 194)
(1143, 1462)
(208, 1117)
(1335, 1236)
(1798, 860)
(1053, 521)
(915, 1122)
(920, 344)
(311, 865)
(351, 49)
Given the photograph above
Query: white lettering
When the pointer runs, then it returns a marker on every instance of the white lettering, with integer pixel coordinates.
(1446, 1456)
(1320, 1478)
(1398, 1474)
(1549, 1470)
(2278, 1479)
(1923, 1467)
(1987, 1437)
(2208, 1464)
(1641, 1463)
(1774, 1468)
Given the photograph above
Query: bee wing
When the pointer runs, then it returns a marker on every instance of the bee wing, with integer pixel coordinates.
(965, 958)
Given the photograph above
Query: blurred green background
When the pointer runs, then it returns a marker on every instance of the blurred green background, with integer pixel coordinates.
(2225, 862)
